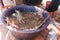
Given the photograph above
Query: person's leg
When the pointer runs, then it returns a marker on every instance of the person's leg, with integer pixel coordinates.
(54, 14)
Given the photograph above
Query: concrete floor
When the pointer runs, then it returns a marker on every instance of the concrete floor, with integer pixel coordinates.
(41, 36)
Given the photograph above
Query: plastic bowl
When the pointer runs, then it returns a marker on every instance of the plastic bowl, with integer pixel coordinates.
(19, 33)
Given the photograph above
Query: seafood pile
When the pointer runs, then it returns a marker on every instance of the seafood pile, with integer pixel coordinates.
(25, 21)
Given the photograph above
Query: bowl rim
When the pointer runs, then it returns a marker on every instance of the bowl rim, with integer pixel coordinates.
(29, 31)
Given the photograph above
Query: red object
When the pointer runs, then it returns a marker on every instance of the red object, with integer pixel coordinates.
(47, 4)
(1, 6)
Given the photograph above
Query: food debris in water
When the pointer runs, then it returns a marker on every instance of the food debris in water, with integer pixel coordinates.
(28, 21)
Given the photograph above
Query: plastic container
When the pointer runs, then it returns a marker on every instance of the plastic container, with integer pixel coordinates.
(19, 33)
